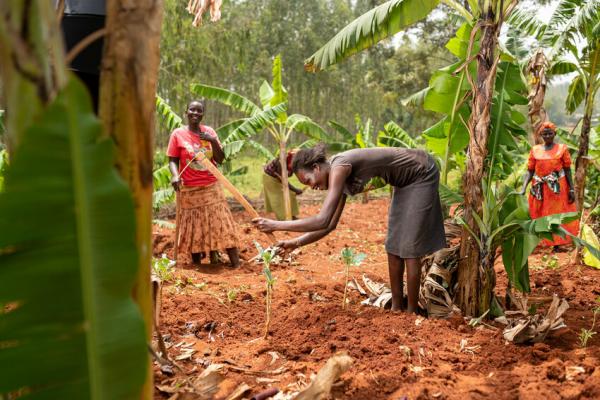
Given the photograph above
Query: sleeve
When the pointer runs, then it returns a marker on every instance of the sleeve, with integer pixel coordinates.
(212, 132)
(173, 148)
(531, 161)
(566, 158)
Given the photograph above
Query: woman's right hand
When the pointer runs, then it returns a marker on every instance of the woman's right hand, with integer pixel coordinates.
(176, 183)
(287, 245)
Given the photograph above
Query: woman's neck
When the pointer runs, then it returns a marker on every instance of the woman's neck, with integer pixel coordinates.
(194, 128)
(548, 146)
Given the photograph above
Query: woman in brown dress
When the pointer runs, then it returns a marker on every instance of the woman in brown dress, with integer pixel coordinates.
(415, 221)
(206, 224)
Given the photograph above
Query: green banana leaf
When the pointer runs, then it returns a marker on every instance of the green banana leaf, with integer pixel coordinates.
(69, 328)
(394, 136)
(280, 94)
(226, 97)
(168, 117)
(304, 124)
(377, 24)
(225, 130)
(255, 124)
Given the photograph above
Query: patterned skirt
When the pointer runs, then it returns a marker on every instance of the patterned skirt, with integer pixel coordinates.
(205, 221)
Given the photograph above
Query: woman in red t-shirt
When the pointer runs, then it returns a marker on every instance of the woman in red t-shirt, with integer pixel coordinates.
(206, 223)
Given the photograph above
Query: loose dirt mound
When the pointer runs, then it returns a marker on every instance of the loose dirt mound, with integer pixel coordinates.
(219, 313)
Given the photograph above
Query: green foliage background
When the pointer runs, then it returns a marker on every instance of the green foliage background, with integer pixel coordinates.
(236, 53)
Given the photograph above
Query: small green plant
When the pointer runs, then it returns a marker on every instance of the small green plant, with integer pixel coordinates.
(351, 259)
(163, 268)
(550, 262)
(267, 256)
(232, 295)
(587, 334)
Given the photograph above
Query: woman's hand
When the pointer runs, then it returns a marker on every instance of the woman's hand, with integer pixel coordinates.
(265, 225)
(206, 136)
(571, 196)
(176, 183)
(287, 245)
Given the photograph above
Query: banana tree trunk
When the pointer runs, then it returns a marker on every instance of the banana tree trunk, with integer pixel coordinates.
(365, 197)
(127, 91)
(476, 276)
(537, 92)
(284, 180)
(584, 140)
(582, 160)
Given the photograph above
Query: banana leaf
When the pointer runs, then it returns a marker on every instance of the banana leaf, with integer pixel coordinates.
(69, 328)
(377, 24)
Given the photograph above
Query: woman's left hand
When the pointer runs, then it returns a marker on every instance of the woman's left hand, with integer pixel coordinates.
(206, 136)
(571, 196)
(265, 225)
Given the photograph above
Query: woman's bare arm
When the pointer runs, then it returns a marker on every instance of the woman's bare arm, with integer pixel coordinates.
(312, 237)
(321, 221)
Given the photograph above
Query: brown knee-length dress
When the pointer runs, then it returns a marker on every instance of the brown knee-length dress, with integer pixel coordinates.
(415, 220)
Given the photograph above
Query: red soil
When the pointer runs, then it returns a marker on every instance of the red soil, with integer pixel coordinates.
(306, 329)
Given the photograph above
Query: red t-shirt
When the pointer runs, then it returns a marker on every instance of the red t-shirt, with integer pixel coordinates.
(184, 145)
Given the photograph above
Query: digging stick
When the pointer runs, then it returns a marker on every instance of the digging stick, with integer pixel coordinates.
(177, 223)
(232, 189)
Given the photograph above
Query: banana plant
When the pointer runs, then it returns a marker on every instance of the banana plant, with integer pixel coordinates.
(55, 232)
(505, 223)
(272, 117)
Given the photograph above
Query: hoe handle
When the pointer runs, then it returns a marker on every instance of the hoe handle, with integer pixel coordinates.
(232, 189)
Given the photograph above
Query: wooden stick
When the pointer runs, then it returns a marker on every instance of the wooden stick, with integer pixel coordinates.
(177, 223)
(232, 189)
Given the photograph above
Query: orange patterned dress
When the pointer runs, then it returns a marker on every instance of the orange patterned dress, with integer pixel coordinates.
(550, 191)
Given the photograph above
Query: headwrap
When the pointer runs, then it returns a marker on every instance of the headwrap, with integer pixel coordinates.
(289, 159)
(546, 125)
(273, 168)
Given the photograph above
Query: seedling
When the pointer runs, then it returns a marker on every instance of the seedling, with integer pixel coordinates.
(550, 262)
(350, 259)
(267, 256)
(587, 334)
(163, 268)
(232, 295)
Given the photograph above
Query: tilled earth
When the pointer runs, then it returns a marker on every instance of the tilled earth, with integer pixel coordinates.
(213, 314)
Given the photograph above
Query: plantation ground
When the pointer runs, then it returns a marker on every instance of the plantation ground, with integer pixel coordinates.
(309, 326)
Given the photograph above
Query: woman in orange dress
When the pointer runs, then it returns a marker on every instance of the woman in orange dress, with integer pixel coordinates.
(552, 189)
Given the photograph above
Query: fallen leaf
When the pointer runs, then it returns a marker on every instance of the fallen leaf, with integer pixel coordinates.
(320, 387)
(238, 392)
(573, 371)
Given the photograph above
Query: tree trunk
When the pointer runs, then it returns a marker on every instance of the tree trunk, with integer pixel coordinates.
(284, 180)
(582, 159)
(127, 108)
(476, 273)
(537, 92)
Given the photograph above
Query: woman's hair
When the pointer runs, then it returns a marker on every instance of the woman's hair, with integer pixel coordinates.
(546, 125)
(306, 158)
(201, 101)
